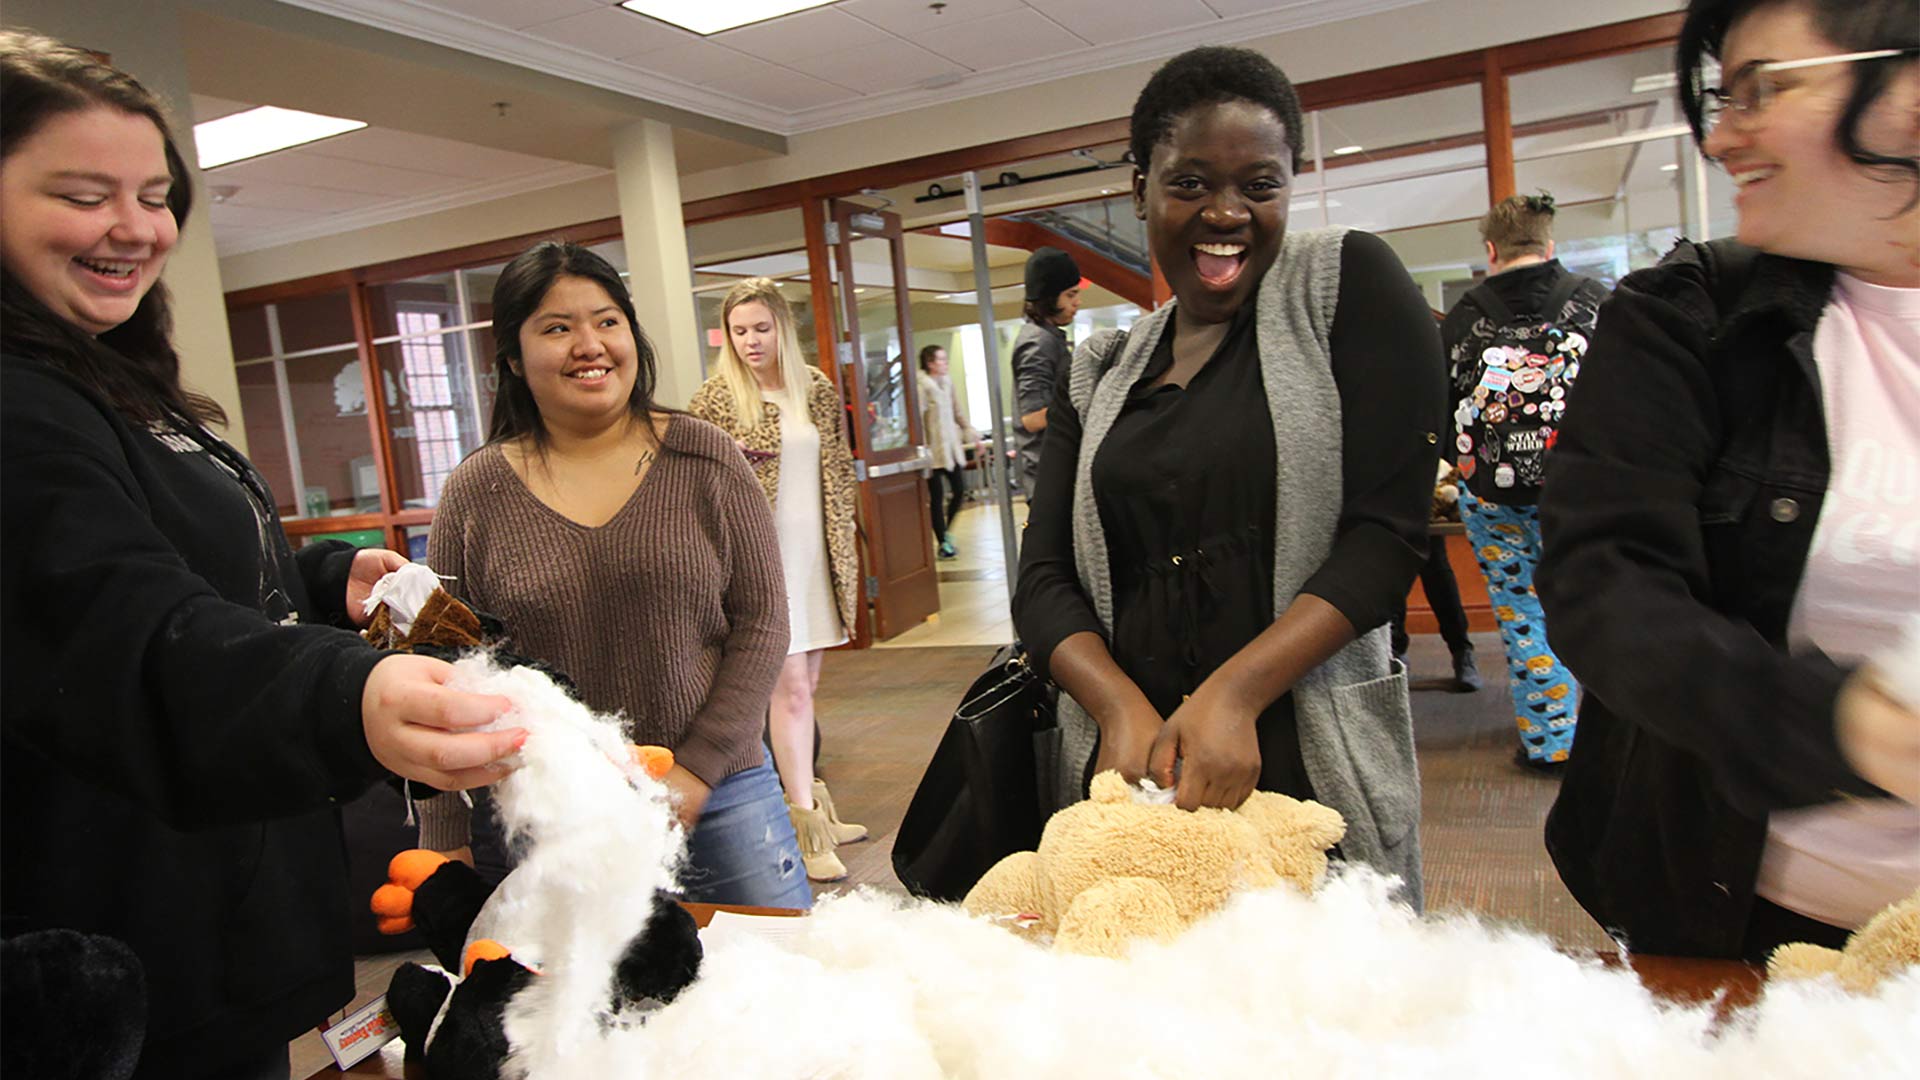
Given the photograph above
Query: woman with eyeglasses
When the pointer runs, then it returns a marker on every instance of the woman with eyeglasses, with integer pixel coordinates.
(1732, 513)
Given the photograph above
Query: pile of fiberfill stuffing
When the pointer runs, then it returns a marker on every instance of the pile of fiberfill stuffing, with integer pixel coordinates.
(1342, 983)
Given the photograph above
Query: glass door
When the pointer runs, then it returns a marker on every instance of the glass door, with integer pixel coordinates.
(890, 448)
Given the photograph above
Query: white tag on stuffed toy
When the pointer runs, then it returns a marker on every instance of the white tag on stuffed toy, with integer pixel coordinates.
(405, 592)
(1152, 794)
(364, 1031)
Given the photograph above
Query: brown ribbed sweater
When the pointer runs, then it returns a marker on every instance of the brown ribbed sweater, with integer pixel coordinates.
(672, 613)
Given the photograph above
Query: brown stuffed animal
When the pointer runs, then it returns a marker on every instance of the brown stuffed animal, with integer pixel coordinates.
(1112, 869)
(1888, 944)
(443, 622)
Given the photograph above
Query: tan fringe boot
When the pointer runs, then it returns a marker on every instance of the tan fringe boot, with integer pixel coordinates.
(843, 833)
(816, 843)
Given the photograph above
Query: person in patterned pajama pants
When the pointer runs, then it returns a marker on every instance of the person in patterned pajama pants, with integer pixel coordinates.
(1506, 542)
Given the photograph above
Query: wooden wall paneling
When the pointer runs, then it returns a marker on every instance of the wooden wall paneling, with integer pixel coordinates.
(826, 334)
(1497, 125)
(1633, 35)
(1473, 593)
(1123, 281)
(596, 231)
(343, 523)
(912, 586)
(289, 290)
(1162, 292)
(376, 413)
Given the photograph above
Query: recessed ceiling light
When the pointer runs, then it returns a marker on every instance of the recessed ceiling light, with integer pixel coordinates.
(1647, 84)
(1341, 151)
(708, 17)
(263, 130)
(1670, 167)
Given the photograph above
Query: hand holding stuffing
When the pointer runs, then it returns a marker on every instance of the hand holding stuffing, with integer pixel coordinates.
(420, 729)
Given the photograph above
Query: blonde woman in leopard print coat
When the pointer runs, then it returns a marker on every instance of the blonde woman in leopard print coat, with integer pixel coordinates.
(787, 418)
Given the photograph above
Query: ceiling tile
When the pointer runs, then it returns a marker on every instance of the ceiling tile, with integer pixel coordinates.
(1228, 9)
(298, 197)
(338, 174)
(236, 216)
(696, 62)
(612, 32)
(515, 14)
(907, 17)
(899, 66)
(998, 41)
(429, 153)
(802, 34)
(207, 107)
(778, 87)
(1104, 22)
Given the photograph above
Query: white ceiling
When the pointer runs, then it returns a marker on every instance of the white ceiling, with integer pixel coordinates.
(851, 60)
(365, 177)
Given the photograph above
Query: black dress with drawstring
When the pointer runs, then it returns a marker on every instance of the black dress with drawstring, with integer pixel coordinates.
(1185, 485)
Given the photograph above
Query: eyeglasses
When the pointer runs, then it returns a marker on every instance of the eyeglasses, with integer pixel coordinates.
(1741, 101)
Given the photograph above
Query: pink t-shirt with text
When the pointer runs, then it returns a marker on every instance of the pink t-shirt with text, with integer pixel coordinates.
(1843, 861)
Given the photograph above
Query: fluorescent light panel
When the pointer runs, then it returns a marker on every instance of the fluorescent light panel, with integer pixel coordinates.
(713, 16)
(1343, 151)
(263, 130)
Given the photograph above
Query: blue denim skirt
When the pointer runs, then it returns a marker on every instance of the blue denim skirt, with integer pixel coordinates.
(743, 850)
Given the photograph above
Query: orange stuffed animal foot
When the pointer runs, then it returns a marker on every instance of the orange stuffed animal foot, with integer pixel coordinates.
(656, 760)
(392, 903)
(484, 949)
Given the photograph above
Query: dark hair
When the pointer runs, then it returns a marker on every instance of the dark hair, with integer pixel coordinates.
(1208, 76)
(516, 293)
(926, 354)
(1041, 312)
(1853, 25)
(1519, 225)
(133, 365)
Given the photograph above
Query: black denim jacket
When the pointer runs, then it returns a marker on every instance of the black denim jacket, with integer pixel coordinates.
(1680, 504)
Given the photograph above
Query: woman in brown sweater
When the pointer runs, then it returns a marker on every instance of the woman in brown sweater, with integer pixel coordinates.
(630, 548)
(786, 416)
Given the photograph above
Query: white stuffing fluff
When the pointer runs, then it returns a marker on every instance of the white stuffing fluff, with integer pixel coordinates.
(598, 838)
(405, 592)
(1345, 983)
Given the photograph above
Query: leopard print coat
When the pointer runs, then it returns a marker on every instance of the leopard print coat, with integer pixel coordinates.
(713, 402)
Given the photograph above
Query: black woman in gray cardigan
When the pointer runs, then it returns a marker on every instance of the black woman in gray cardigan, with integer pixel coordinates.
(1233, 496)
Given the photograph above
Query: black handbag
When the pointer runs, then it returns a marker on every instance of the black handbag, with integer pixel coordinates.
(987, 791)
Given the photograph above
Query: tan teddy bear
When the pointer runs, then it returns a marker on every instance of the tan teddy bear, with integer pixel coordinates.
(1113, 868)
(1889, 943)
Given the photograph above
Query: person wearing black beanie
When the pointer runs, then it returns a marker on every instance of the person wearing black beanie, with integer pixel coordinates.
(1040, 352)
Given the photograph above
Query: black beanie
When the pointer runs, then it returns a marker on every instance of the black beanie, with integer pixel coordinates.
(1050, 272)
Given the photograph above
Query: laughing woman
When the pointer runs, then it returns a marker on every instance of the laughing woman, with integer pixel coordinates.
(1740, 473)
(627, 546)
(182, 706)
(786, 416)
(1232, 500)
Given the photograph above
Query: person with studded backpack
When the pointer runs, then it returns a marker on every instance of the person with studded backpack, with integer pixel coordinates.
(1514, 344)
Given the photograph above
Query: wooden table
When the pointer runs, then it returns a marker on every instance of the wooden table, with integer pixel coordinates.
(1677, 979)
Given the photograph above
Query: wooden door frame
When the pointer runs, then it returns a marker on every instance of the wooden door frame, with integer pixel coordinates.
(849, 364)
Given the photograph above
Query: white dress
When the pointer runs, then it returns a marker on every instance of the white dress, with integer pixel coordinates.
(799, 515)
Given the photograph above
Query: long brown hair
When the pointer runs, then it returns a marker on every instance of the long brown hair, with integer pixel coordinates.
(516, 293)
(133, 365)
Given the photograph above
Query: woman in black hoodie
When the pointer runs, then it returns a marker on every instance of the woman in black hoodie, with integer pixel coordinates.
(183, 706)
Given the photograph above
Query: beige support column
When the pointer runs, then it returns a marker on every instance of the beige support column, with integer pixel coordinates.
(656, 243)
(144, 40)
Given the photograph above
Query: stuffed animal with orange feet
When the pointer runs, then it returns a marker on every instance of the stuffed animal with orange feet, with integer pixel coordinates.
(452, 1015)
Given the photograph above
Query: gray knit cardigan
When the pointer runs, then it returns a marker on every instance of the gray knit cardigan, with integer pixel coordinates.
(1356, 724)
